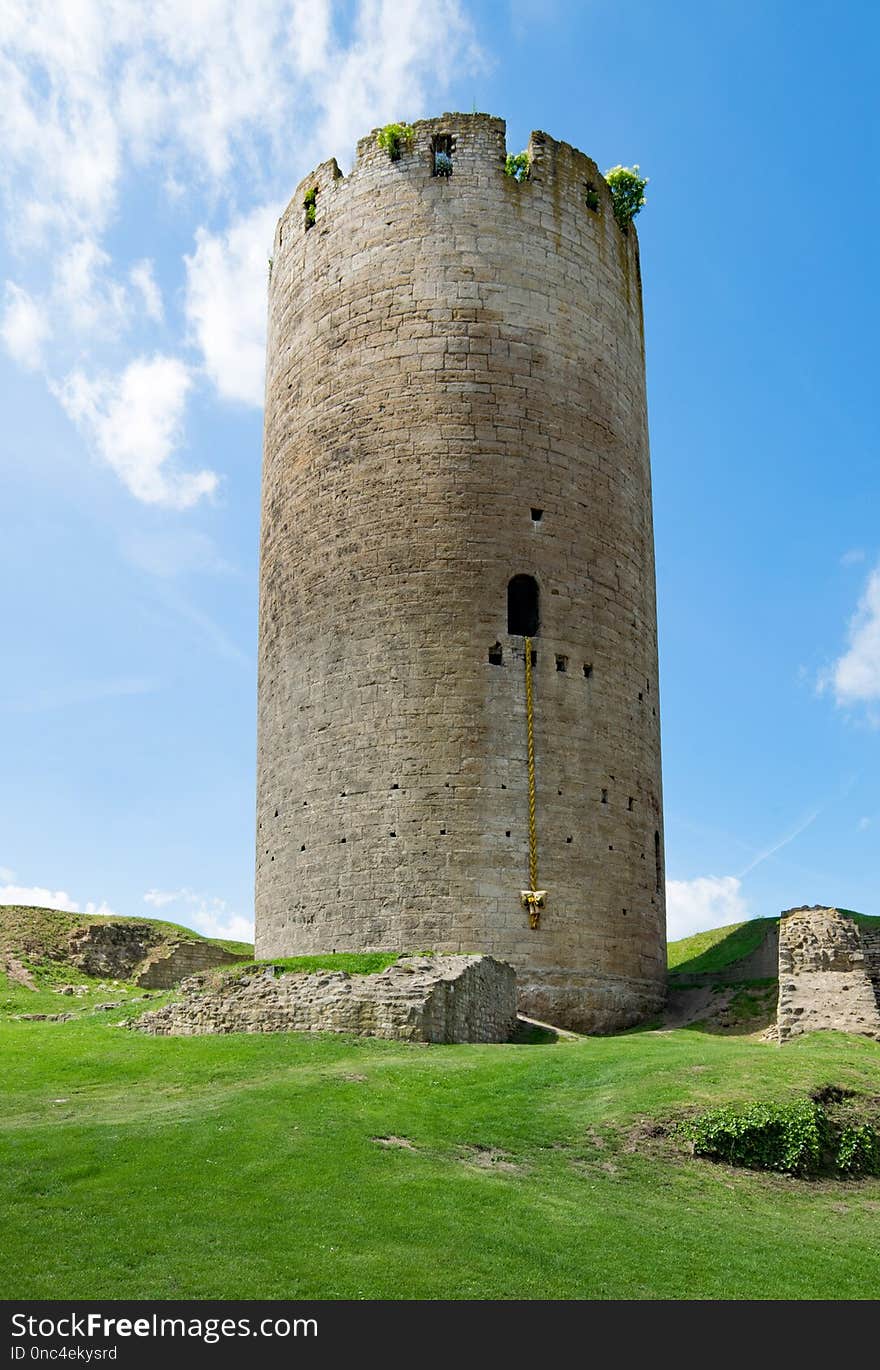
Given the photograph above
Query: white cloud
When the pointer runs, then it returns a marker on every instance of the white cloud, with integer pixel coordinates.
(36, 896)
(709, 901)
(226, 303)
(92, 87)
(39, 897)
(84, 291)
(24, 327)
(855, 676)
(206, 913)
(6, 873)
(853, 556)
(159, 898)
(134, 421)
(144, 281)
(220, 104)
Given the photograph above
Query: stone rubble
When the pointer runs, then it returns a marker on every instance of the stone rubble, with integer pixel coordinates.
(419, 999)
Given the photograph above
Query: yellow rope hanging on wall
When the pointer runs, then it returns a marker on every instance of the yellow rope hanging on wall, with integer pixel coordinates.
(533, 898)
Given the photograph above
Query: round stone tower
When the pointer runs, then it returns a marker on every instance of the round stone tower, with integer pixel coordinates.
(456, 475)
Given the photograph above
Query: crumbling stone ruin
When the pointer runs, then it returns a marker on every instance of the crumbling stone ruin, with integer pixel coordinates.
(419, 999)
(828, 974)
(459, 732)
(135, 951)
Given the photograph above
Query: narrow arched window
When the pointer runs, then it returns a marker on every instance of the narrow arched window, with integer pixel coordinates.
(522, 607)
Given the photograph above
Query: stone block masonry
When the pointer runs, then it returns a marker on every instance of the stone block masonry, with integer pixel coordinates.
(129, 950)
(419, 999)
(825, 978)
(455, 398)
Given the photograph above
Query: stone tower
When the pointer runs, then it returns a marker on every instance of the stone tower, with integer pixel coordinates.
(456, 464)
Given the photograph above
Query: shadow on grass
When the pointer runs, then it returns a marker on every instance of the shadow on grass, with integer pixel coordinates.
(531, 1035)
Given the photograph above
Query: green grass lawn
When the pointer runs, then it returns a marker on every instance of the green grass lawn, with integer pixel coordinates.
(248, 1167)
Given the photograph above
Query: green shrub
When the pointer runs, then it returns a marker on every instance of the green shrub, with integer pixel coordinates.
(799, 1138)
(310, 204)
(393, 137)
(858, 1150)
(517, 166)
(627, 192)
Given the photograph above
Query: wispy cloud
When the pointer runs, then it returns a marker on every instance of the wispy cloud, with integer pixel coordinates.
(134, 421)
(24, 328)
(854, 677)
(781, 842)
(72, 694)
(226, 303)
(209, 630)
(206, 913)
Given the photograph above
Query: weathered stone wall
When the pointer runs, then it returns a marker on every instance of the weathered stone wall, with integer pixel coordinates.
(870, 938)
(111, 949)
(136, 951)
(823, 976)
(421, 999)
(175, 962)
(446, 356)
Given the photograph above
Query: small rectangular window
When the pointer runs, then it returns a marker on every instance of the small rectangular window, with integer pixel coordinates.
(442, 149)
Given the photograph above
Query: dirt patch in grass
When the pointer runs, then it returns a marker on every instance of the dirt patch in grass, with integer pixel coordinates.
(490, 1158)
(392, 1141)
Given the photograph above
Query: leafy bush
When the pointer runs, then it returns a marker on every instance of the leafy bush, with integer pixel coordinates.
(310, 206)
(784, 1137)
(517, 166)
(393, 137)
(627, 192)
(798, 1138)
(858, 1150)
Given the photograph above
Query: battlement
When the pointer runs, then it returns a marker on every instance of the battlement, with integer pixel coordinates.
(451, 152)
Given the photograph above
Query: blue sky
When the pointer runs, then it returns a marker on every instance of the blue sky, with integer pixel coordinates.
(148, 150)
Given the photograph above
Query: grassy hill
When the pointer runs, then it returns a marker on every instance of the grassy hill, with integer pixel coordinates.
(707, 952)
(41, 936)
(718, 948)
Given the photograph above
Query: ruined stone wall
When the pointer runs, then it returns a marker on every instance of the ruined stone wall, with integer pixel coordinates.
(455, 395)
(129, 950)
(419, 999)
(823, 975)
(173, 963)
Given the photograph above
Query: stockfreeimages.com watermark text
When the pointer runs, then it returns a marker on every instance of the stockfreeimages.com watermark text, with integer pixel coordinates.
(98, 1325)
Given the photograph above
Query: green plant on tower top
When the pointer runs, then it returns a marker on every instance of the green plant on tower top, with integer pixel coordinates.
(627, 192)
(393, 137)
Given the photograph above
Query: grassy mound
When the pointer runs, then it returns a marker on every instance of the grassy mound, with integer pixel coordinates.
(718, 948)
(43, 934)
